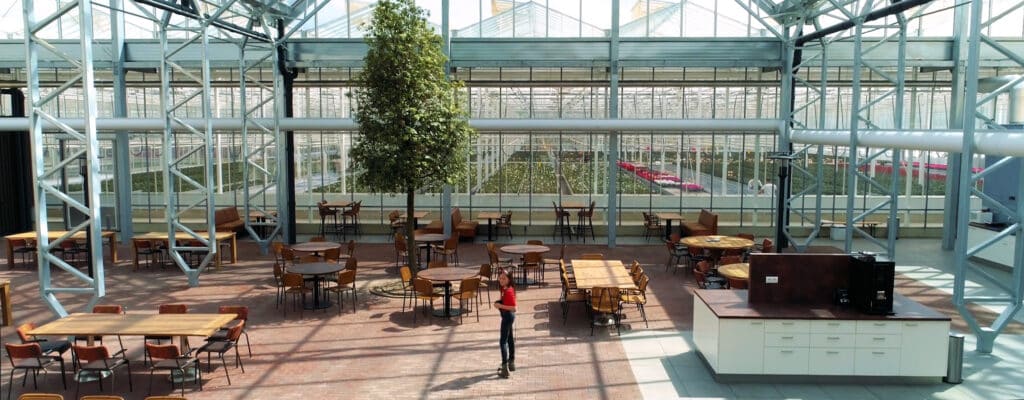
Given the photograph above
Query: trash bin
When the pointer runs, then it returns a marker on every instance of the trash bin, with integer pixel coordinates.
(955, 361)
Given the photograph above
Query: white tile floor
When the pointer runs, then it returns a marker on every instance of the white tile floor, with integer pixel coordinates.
(666, 366)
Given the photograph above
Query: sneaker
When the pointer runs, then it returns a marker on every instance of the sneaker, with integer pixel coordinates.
(511, 365)
(503, 372)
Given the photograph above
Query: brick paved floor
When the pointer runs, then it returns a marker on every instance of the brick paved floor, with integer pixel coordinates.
(377, 352)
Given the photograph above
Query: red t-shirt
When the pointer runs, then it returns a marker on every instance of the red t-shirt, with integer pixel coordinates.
(508, 296)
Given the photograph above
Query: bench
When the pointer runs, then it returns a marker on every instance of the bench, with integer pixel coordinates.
(228, 220)
(706, 224)
(465, 228)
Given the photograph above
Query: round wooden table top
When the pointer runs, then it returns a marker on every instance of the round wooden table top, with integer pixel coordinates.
(524, 248)
(316, 268)
(735, 271)
(448, 274)
(717, 242)
(316, 247)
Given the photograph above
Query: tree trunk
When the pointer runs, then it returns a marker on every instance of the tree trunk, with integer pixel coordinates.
(410, 229)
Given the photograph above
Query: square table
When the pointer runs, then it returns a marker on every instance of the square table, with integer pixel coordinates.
(601, 273)
(574, 204)
(339, 204)
(490, 216)
(221, 236)
(53, 235)
(668, 217)
(416, 215)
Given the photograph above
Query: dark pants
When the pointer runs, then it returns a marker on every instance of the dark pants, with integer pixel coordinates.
(506, 341)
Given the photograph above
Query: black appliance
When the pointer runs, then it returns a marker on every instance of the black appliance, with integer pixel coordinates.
(871, 282)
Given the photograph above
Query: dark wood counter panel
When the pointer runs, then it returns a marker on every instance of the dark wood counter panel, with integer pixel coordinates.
(733, 304)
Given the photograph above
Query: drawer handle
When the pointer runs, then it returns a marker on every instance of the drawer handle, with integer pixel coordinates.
(831, 352)
(833, 324)
(785, 351)
(878, 352)
(787, 323)
(755, 323)
(833, 338)
(878, 339)
(911, 324)
(787, 338)
(879, 323)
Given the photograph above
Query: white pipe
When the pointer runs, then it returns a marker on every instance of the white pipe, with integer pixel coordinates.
(733, 126)
(1002, 143)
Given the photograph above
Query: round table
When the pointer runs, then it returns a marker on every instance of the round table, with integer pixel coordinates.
(316, 247)
(523, 249)
(447, 275)
(429, 238)
(735, 271)
(716, 244)
(317, 269)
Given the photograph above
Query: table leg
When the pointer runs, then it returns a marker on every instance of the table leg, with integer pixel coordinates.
(5, 302)
(10, 254)
(489, 236)
(234, 248)
(668, 228)
(113, 248)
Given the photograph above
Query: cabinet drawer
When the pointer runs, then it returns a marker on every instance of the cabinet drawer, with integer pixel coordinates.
(785, 361)
(876, 362)
(890, 327)
(878, 341)
(786, 339)
(831, 361)
(833, 340)
(832, 326)
(787, 326)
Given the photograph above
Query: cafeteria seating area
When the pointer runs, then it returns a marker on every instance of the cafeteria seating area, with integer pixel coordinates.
(377, 351)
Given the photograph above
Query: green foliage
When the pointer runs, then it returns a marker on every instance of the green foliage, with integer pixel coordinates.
(413, 131)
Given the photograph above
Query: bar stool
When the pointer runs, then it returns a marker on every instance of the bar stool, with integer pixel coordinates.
(585, 222)
(561, 222)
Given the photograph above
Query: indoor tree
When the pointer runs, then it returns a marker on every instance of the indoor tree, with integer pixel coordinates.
(413, 130)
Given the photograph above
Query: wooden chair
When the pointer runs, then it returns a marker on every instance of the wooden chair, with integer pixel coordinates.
(570, 295)
(562, 225)
(408, 295)
(676, 255)
(533, 262)
(317, 239)
(468, 291)
(279, 282)
(504, 223)
(40, 396)
(485, 279)
(296, 286)
(733, 259)
(287, 257)
(552, 261)
(149, 250)
(70, 250)
(350, 248)
(241, 315)
(702, 282)
(604, 300)
(585, 222)
(638, 297)
(767, 246)
(167, 357)
(26, 247)
(164, 309)
(748, 236)
(30, 357)
(437, 264)
(345, 282)
(350, 218)
(223, 346)
(332, 255)
(309, 258)
(396, 222)
(497, 262)
(48, 347)
(99, 361)
(652, 226)
(105, 309)
(449, 249)
(425, 292)
(101, 397)
(401, 250)
(325, 214)
(592, 256)
(710, 277)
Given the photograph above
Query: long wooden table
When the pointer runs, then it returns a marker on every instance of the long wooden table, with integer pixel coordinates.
(53, 235)
(89, 325)
(601, 273)
(221, 236)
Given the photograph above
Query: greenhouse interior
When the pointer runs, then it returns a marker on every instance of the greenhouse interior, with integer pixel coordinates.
(887, 128)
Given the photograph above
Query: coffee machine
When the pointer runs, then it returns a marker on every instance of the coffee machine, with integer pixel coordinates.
(871, 283)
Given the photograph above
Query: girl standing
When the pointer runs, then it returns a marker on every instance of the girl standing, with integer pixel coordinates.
(507, 307)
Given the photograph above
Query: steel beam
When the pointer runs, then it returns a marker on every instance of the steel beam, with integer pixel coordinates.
(87, 159)
(975, 116)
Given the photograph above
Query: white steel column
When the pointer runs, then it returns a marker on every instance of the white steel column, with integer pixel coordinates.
(87, 154)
